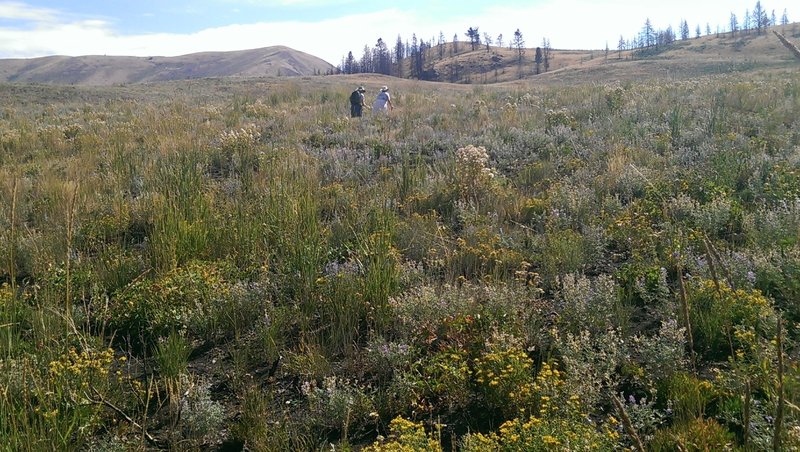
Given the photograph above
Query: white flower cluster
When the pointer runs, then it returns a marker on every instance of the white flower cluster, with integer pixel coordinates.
(211, 112)
(9, 137)
(473, 173)
(473, 161)
(239, 139)
(258, 109)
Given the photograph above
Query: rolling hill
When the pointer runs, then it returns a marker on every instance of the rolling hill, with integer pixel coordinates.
(110, 70)
(460, 65)
(682, 59)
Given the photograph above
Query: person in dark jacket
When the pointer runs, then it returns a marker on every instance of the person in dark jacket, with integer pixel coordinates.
(357, 102)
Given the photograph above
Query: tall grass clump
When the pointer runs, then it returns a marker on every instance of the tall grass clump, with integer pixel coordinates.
(181, 212)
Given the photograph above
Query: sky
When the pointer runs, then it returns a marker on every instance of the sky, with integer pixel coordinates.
(330, 29)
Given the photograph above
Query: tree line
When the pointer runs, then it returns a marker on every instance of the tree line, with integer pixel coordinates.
(755, 21)
(414, 58)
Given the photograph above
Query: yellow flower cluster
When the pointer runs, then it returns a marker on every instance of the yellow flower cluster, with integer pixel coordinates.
(547, 386)
(551, 440)
(6, 295)
(610, 429)
(85, 362)
(483, 253)
(505, 378)
(753, 297)
(406, 436)
(539, 434)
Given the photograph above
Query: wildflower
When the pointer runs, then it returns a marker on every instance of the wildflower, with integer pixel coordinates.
(551, 440)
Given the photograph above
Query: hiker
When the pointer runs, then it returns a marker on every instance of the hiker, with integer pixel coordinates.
(357, 102)
(383, 103)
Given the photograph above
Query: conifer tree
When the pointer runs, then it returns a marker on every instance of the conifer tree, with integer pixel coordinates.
(759, 17)
(519, 43)
(350, 65)
(648, 34)
(474, 36)
(546, 53)
(399, 54)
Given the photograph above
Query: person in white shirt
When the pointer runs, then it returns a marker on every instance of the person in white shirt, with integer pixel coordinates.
(383, 103)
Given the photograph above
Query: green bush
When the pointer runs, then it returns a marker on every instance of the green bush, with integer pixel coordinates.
(715, 312)
(699, 435)
(147, 310)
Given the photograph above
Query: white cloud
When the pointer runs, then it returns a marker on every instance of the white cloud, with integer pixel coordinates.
(328, 39)
(22, 11)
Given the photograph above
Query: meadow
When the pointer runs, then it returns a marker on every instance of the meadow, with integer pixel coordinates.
(229, 265)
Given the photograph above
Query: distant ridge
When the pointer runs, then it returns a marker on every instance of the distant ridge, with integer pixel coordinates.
(111, 70)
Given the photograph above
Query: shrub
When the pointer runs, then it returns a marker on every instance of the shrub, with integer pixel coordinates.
(716, 310)
(589, 304)
(461, 317)
(337, 405)
(147, 310)
(405, 435)
(661, 354)
(201, 417)
(777, 276)
(537, 434)
(560, 252)
(504, 377)
(698, 435)
(590, 363)
(445, 382)
(480, 252)
(688, 395)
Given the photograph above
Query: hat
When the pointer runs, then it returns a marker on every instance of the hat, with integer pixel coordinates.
(361, 88)
(384, 88)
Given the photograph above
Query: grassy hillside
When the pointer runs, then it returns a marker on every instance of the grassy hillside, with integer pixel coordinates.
(111, 70)
(691, 58)
(228, 264)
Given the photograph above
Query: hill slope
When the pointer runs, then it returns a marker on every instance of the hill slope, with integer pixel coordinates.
(713, 54)
(690, 58)
(108, 70)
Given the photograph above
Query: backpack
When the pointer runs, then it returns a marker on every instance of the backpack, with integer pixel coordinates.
(355, 98)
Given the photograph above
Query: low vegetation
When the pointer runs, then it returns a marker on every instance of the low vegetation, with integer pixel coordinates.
(586, 267)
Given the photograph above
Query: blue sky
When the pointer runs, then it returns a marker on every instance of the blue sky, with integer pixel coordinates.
(329, 29)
